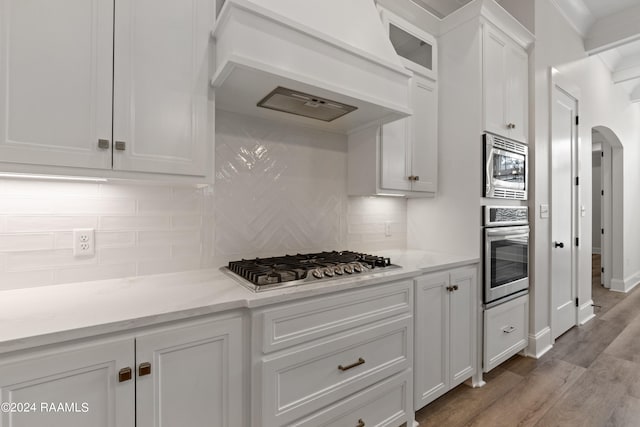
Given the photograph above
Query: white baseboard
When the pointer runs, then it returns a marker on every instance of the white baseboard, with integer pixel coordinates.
(585, 312)
(539, 343)
(596, 251)
(627, 284)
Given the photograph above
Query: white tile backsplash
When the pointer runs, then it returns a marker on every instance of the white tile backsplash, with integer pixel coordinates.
(279, 189)
(134, 224)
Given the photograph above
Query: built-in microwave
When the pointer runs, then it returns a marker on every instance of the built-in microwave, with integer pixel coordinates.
(505, 163)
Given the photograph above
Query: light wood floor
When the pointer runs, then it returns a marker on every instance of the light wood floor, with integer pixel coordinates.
(591, 377)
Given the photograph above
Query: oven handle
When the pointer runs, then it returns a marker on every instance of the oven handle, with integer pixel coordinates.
(522, 231)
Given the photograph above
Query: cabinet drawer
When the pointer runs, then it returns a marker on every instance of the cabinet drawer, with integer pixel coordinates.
(298, 383)
(301, 322)
(384, 404)
(505, 331)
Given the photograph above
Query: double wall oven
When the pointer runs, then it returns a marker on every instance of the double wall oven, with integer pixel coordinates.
(506, 253)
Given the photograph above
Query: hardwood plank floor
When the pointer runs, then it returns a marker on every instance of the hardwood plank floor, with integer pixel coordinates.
(591, 377)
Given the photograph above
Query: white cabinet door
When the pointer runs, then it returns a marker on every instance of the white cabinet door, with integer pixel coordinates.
(409, 147)
(431, 361)
(517, 63)
(462, 328)
(445, 332)
(505, 80)
(424, 134)
(55, 82)
(194, 376)
(494, 78)
(82, 377)
(394, 152)
(163, 118)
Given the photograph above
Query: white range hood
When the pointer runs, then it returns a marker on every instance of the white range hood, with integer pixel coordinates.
(312, 55)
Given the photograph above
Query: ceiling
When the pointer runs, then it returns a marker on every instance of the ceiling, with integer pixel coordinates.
(610, 29)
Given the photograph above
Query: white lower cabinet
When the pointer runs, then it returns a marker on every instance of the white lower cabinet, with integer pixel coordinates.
(188, 374)
(445, 332)
(83, 375)
(343, 351)
(505, 331)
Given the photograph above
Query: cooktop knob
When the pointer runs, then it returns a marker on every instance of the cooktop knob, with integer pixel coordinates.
(328, 271)
(317, 273)
(347, 269)
(338, 270)
(357, 267)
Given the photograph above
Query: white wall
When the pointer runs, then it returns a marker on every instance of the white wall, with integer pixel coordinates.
(601, 103)
(450, 222)
(279, 189)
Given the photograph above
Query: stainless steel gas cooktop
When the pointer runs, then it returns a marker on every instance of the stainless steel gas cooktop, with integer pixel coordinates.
(262, 274)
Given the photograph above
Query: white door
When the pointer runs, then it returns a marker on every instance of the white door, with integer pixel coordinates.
(431, 364)
(563, 152)
(462, 328)
(394, 165)
(424, 134)
(494, 76)
(193, 377)
(55, 82)
(605, 215)
(85, 378)
(517, 63)
(163, 118)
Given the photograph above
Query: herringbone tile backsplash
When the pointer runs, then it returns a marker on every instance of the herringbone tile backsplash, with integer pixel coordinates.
(279, 189)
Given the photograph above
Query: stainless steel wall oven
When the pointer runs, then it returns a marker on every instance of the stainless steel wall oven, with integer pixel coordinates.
(506, 253)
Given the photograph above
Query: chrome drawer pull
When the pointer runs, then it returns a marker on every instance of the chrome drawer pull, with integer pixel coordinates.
(360, 423)
(353, 365)
(508, 329)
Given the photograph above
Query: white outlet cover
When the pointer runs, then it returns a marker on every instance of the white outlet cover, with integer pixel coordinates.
(84, 242)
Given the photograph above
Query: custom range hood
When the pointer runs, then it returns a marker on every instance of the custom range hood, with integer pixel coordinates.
(322, 63)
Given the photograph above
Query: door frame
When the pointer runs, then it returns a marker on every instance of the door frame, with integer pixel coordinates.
(558, 82)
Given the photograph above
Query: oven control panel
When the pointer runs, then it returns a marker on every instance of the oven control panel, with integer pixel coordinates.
(505, 215)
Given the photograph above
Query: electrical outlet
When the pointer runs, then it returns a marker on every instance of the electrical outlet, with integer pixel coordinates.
(387, 228)
(84, 242)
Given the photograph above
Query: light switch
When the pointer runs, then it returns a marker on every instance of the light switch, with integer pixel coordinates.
(544, 211)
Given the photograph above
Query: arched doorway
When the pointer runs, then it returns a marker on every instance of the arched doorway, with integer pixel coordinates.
(610, 206)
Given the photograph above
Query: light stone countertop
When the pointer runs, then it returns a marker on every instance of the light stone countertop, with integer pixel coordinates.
(39, 316)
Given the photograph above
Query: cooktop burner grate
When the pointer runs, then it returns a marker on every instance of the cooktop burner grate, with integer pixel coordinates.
(264, 273)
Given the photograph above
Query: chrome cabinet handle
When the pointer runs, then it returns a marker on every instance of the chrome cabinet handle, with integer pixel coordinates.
(508, 329)
(124, 374)
(353, 365)
(103, 144)
(120, 145)
(360, 423)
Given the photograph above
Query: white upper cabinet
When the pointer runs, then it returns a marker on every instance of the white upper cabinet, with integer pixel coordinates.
(106, 84)
(161, 63)
(505, 91)
(409, 147)
(401, 157)
(55, 81)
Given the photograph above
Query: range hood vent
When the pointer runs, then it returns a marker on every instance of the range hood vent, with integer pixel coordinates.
(303, 104)
(345, 60)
